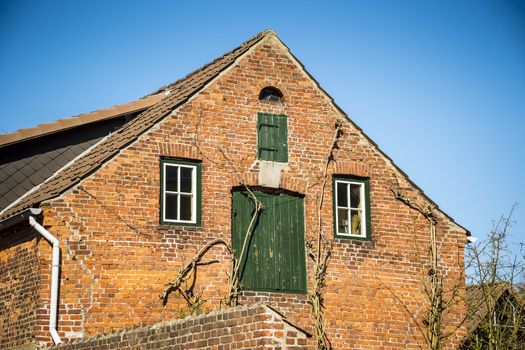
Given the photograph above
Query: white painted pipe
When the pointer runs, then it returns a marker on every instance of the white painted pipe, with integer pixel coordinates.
(54, 278)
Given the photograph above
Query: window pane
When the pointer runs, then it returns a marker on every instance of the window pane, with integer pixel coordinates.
(171, 178)
(185, 179)
(342, 221)
(342, 194)
(185, 207)
(355, 195)
(356, 222)
(170, 206)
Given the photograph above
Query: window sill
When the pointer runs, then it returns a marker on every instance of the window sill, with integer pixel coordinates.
(173, 225)
(273, 291)
(354, 238)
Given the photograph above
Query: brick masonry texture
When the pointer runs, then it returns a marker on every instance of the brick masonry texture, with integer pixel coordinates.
(19, 281)
(116, 257)
(254, 327)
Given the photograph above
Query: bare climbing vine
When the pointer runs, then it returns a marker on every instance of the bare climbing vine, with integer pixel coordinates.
(433, 317)
(186, 278)
(189, 273)
(234, 278)
(320, 252)
(432, 329)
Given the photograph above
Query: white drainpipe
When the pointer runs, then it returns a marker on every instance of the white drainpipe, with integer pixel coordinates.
(54, 278)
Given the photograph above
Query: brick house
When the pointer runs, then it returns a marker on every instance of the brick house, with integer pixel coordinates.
(499, 307)
(132, 192)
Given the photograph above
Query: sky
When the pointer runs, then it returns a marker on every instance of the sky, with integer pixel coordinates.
(438, 85)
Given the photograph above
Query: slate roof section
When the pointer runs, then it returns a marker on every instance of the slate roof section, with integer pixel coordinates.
(20, 176)
(81, 119)
(179, 92)
(28, 157)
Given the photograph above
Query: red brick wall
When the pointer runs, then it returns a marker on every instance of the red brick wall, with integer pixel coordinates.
(19, 280)
(255, 327)
(117, 258)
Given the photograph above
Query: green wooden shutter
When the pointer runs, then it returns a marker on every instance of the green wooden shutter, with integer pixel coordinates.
(272, 136)
(275, 258)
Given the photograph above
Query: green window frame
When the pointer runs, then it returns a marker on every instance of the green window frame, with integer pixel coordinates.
(180, 192)
(272, 137)
(351, 203)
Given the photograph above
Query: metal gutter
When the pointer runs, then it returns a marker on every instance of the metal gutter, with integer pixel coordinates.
(54, 278)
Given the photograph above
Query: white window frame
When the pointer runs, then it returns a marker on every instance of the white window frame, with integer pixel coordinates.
(178, 193)
(350, 208)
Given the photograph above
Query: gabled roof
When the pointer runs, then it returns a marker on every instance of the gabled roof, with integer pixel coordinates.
(477, 296)
(176, 93)
(30, 156)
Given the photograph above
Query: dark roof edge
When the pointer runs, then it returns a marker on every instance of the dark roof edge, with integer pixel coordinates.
(258, 37)
(19, 217)
(68, 123)
(370, 140)
(250, 42)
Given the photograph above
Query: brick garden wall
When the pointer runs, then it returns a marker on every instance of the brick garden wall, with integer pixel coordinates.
(253, 327)
(117, 257)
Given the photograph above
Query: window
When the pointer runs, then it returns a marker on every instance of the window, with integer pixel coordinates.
(272, 137)
(180, 192)
(351, 207)
(271, 94)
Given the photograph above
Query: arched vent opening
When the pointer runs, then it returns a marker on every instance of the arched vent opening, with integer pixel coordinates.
(271, 93)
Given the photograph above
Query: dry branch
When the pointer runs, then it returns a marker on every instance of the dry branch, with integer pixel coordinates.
(320, 253)
(190, 270)
(497, 282)
(234, 280)
(433, 334)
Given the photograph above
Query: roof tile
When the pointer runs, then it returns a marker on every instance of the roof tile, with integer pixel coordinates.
(185, 87)
(477, 296)
(66, 123)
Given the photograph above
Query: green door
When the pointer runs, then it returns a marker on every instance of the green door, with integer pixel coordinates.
(275, 258)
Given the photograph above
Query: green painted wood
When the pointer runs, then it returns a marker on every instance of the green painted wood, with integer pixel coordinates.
(275, 259)
(272, 137)
(282, 138)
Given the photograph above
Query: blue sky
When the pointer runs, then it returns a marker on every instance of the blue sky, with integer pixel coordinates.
(439, 85)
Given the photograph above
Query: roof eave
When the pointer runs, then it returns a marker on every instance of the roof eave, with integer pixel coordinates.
(19, 217)
(64, 124)
(468, 233)
(228, 62)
